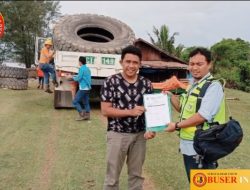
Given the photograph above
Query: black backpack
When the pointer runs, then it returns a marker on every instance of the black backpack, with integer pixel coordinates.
(220, 139)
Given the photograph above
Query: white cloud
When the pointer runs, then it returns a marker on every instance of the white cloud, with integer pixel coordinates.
(198, 23)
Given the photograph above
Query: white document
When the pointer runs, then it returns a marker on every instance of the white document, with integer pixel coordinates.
(157, 110)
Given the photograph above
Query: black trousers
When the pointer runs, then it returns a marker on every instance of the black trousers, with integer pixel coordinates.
(40, 80)
(191, 163)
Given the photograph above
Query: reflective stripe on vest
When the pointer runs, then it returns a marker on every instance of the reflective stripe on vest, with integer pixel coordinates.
(188, 109)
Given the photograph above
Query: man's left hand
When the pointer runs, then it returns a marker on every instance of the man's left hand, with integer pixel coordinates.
(149, 134)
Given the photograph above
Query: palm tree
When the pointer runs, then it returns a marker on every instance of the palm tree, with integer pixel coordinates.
(165, 41)
(178, 50)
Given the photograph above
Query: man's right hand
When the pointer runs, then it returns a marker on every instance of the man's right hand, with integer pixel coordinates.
(137, 111)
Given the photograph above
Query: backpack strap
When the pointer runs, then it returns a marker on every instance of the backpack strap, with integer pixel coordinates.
(202, 93)
(200, 96)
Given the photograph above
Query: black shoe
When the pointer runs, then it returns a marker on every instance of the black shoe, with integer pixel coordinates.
(55, 83)
(86, 116)
(48, 91)
(81, 116)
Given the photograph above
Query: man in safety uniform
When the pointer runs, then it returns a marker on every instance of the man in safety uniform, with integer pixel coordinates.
(46, 56)
(212, 108)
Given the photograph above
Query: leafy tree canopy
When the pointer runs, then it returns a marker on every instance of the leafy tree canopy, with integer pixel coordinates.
(232, 61)
(231, 51)
(24, 20)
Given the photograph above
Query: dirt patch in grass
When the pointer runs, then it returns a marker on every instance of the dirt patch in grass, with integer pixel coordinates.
(148, 183)
(44, 178)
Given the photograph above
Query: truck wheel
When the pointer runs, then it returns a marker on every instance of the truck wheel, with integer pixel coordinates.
(13, 72)
(13, 83)
(92, 33)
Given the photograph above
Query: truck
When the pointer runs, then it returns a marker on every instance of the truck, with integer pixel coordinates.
(99, 38)
(66, 63)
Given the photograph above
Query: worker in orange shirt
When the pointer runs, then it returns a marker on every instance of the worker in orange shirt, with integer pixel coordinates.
(46, 56)
(40, 77)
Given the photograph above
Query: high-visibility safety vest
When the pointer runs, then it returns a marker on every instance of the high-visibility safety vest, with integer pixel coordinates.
(188, 108)
(45, 55)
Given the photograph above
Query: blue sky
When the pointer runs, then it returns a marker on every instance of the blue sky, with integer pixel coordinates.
(199, 23)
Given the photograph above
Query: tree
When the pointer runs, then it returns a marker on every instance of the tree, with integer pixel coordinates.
(229, 51)
(4, 54)
(24, 20)
(232, 60)
(178, 50)
(165, 41)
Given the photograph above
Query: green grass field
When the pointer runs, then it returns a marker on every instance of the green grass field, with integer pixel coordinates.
(43, 148)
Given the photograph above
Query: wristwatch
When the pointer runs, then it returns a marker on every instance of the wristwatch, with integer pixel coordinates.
(177, 128)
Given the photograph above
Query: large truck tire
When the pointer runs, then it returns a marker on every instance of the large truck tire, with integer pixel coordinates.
(14, 83)
(92, 33)
(13, 72)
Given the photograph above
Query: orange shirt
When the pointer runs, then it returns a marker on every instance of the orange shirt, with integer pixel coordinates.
(39, 72)
(45, 55)
(170, 84)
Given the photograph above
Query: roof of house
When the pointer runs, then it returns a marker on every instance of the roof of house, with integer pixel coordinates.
(163, 53)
